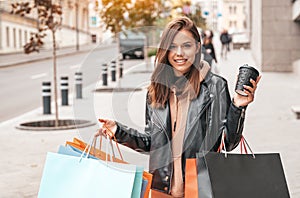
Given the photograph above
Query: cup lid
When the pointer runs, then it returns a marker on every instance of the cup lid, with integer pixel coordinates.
(250, 67)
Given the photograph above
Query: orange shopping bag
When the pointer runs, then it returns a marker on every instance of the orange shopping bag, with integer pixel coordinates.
(191, 179)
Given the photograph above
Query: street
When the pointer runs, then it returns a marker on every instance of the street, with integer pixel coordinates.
(21, 85)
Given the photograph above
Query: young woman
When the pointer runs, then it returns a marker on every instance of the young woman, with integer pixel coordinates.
(187, 109)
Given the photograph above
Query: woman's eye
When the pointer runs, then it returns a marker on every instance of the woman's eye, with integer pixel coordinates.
(172, 47)
(187, 46)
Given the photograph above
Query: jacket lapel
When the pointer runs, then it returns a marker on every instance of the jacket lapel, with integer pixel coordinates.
(162, 118)
(196, 108)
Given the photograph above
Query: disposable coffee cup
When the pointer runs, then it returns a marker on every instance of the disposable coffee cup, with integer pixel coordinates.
(246, 73)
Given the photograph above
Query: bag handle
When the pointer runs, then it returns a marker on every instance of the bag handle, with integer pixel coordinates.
(243, 145)
(91, 145)
(111, 136)
(87, 149)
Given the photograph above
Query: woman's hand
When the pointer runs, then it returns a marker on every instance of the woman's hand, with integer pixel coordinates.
(241, 101)
(109, 128)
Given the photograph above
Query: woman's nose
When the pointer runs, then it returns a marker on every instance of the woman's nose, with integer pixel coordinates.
(179, 50)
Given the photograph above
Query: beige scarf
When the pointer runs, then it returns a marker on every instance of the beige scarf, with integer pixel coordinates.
(179, 104)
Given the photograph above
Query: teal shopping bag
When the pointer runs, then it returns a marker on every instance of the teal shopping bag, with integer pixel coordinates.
(70, 150)
(77, 177)
(138, 179)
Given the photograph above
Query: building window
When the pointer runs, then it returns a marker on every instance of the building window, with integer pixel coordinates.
(15, 37)
(234, 10)
(20, 38)
(7, 37)
(25, 37)
(83, 21)
(230, 9)
(230, 23)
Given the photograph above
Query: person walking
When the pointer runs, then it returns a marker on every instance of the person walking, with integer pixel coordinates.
(225, 39)
(208, 46)
(187, 110)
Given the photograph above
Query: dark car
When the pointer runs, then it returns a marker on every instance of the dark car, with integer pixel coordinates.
(132, 44)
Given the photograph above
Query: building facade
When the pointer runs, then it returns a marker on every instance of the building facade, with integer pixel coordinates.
(275, 34)
(212, 12)
(15, 31)
(234, 16)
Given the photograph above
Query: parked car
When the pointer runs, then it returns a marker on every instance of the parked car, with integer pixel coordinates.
(132, 44)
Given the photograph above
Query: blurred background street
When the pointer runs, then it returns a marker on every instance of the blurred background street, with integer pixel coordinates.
(88, 38)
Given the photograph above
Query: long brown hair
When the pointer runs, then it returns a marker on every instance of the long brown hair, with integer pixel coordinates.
(161, 79)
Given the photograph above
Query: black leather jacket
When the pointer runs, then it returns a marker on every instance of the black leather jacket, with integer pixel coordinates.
(209, 114)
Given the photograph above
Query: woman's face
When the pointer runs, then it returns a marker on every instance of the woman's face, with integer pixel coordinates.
(182, 52)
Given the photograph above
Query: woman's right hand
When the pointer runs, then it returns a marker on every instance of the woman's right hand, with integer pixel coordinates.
(109, 128)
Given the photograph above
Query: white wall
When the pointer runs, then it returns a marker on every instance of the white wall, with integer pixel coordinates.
(256, 38)
(14, 43)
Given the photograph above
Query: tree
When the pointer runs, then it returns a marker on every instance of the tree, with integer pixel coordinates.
(197, 18)
(113, 14)
(49, 18)
(144, 15)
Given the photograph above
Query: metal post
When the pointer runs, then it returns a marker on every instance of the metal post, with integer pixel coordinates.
(64, 86)
(78, 83)
(104, 74)
(121, 68)
(113, 71)
(46, 89)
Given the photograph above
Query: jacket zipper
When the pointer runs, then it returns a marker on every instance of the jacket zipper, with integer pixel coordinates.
(176, 110)
(239, 123)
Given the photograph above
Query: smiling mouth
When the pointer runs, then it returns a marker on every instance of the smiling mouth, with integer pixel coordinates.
(180, 61)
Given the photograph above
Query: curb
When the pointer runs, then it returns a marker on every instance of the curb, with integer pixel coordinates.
(85, 123)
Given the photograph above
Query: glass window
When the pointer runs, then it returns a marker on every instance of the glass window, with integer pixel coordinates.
(20, 38)
(25, 36)
(15, 37)
(7, 37)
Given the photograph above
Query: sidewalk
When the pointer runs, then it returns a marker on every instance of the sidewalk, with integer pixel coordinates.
(270, 125)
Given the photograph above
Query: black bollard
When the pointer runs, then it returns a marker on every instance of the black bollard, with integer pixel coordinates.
(78, 83)
(121, 68)
(113, 71)
(46, 88)
(104, 74)
(64, 87)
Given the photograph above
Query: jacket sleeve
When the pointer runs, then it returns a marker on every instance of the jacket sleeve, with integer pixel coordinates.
(138, 141)
(234, 121)
(234, 125)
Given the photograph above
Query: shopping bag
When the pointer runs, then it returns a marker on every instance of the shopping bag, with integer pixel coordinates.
(191, 182)
(69, 150)
(80, 145)
(240, 175)
(144, 186)
(70, 176)
(146, 189)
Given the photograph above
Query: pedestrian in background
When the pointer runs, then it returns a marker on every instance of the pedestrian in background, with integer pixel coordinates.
(187, 109)
(208, 46)
(225, 39)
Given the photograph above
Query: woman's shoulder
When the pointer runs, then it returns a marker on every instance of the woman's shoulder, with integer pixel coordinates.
(215, 79)
(210, 76)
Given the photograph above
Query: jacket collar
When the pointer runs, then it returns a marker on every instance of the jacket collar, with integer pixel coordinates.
(196, 109)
